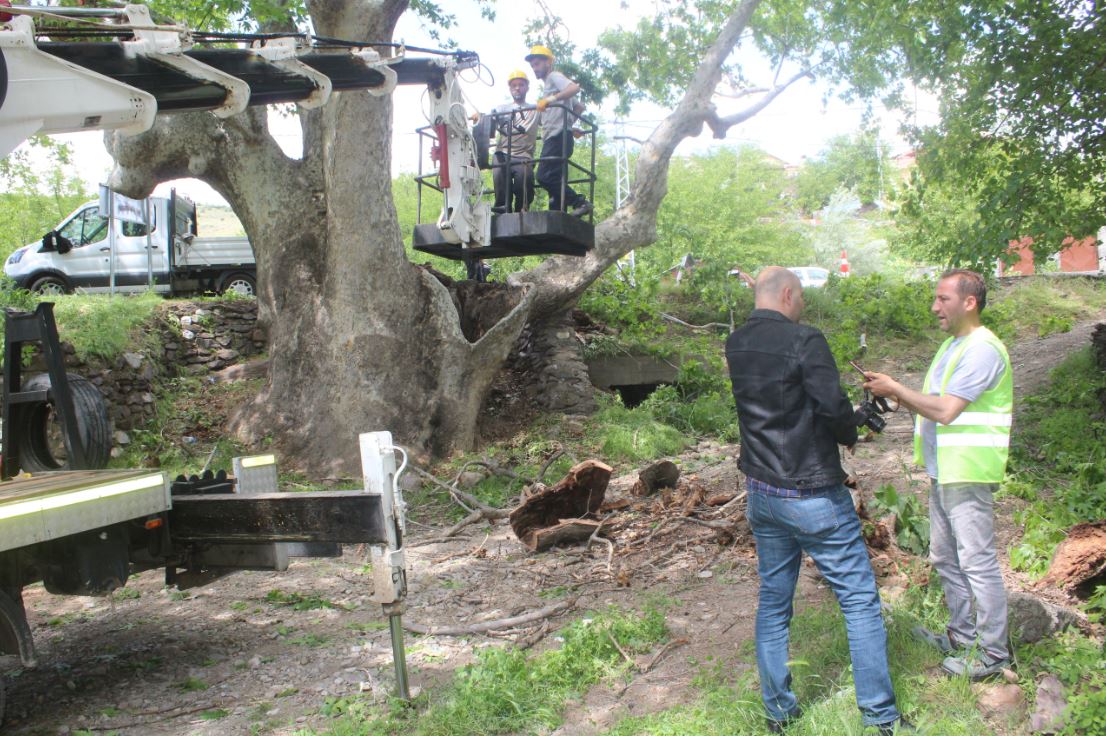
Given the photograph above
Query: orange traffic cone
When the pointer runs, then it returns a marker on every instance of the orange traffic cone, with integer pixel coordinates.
(844, 264)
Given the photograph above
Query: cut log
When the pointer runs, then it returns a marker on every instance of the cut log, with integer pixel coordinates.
(566, 531)
(576, 496)
(1079, 559)
(661, 474)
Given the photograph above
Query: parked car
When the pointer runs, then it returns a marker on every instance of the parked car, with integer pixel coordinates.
(77, 255)
(811, 277)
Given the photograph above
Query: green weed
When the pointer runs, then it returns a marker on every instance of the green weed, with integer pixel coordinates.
(505, 691)
(911, 520)
(299, 602)
(191, 685)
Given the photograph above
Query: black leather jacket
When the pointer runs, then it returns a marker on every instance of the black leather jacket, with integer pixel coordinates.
(792, 409)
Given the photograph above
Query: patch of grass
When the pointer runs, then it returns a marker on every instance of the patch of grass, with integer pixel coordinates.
(100, 327)
(300, 602)
(192, 685)
(367, 626)
(310, 640)
(634, 435)
(214, 714)
(823, 683)
(126, 594)
(505, 690)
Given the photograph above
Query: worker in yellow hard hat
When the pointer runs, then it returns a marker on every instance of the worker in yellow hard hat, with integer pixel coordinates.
(516, 125)
(556, 132)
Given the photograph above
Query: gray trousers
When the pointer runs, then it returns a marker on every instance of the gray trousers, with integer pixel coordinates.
(962, 549)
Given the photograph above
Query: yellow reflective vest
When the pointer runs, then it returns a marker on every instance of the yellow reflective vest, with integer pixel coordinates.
(974, 447)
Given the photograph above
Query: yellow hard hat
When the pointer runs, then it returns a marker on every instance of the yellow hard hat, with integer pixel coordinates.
(517, 74)
(539, 50)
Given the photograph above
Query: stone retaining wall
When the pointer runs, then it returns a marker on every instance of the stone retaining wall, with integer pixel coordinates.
(553, 358)
(189, 338)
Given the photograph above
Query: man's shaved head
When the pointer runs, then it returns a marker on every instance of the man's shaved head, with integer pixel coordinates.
(780, 289)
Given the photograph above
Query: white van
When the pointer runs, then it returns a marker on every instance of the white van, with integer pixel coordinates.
(78, 255)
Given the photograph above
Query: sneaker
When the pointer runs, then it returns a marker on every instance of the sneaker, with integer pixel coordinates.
(895, 727)
(775, 726)
(584, 208)
(975, 668)
(940, 642)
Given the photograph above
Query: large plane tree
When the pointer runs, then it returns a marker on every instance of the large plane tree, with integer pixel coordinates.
(359, 337)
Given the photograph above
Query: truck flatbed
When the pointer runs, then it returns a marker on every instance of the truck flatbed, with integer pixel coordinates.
(53, 505)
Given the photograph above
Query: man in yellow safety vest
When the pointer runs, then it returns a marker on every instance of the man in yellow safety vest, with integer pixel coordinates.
(962, 437)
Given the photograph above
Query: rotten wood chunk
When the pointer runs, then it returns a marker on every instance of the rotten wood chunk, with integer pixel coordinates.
(616, 505)
(1079, 559)
(661, 474)
(558, 514)
(720, 499)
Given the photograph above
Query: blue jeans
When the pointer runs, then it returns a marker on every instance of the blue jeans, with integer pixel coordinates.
(826, 527)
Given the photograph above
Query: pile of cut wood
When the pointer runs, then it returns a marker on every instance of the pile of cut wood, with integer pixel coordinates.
(665, 518)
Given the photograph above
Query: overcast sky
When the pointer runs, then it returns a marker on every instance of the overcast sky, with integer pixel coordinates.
(794, 126)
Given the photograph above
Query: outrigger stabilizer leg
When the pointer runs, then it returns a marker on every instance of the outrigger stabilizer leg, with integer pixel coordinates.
(378, 465)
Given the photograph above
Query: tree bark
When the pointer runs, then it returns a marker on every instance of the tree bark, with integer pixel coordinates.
(359, 338)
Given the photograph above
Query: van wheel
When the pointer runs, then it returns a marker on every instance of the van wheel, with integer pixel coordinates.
(241, 284)
(42, 439)
(50, 286)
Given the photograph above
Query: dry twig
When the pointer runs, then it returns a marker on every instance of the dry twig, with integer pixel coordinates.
(496, 625)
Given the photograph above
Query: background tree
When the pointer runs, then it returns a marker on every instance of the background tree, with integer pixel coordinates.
(856, 163)
(35, 197)
(1021, 145)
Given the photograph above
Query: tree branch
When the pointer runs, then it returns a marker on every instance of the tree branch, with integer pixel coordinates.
(559, 281)
(721, 125)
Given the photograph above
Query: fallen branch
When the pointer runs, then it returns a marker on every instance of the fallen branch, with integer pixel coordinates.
(690, 326)
(664, 650)
(502, 623)
(477, 509)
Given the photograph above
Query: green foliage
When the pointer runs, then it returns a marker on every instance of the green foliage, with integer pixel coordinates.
(100, 327)
(699, 404)
(32, 202)
(505, 691)
(856, 163)
(634, 434)
(911, 520)
(875, 305)
(1077, 661)
(1010, 157)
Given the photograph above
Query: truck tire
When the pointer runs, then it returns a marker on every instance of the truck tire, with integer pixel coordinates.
(241, 283)
(50, 285)
(41, 439)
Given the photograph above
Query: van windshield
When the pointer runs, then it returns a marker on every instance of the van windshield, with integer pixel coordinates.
(87, 226)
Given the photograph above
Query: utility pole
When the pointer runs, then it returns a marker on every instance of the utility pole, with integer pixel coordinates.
(622, 182)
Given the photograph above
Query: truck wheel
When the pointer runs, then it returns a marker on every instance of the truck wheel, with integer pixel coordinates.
(241, 284)
(50, 286)
(42, 439)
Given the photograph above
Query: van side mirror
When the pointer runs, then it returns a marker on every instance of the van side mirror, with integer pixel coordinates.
(49, 242)
(62, 243)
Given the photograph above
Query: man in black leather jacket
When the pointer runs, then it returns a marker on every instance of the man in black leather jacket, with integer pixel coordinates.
(793, 415)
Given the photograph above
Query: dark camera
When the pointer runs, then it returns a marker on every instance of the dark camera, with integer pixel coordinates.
(868, 415)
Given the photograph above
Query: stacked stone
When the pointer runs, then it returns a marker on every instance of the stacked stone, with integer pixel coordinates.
(551, 358)
(195, 338)
(199, 338)
(126, 383)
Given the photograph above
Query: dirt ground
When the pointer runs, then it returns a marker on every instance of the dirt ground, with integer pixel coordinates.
(259, 652)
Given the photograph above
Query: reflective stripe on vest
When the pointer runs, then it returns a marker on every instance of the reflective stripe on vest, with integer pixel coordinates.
(974, 447)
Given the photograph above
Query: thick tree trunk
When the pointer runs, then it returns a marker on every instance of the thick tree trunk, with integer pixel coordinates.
(359, 338)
